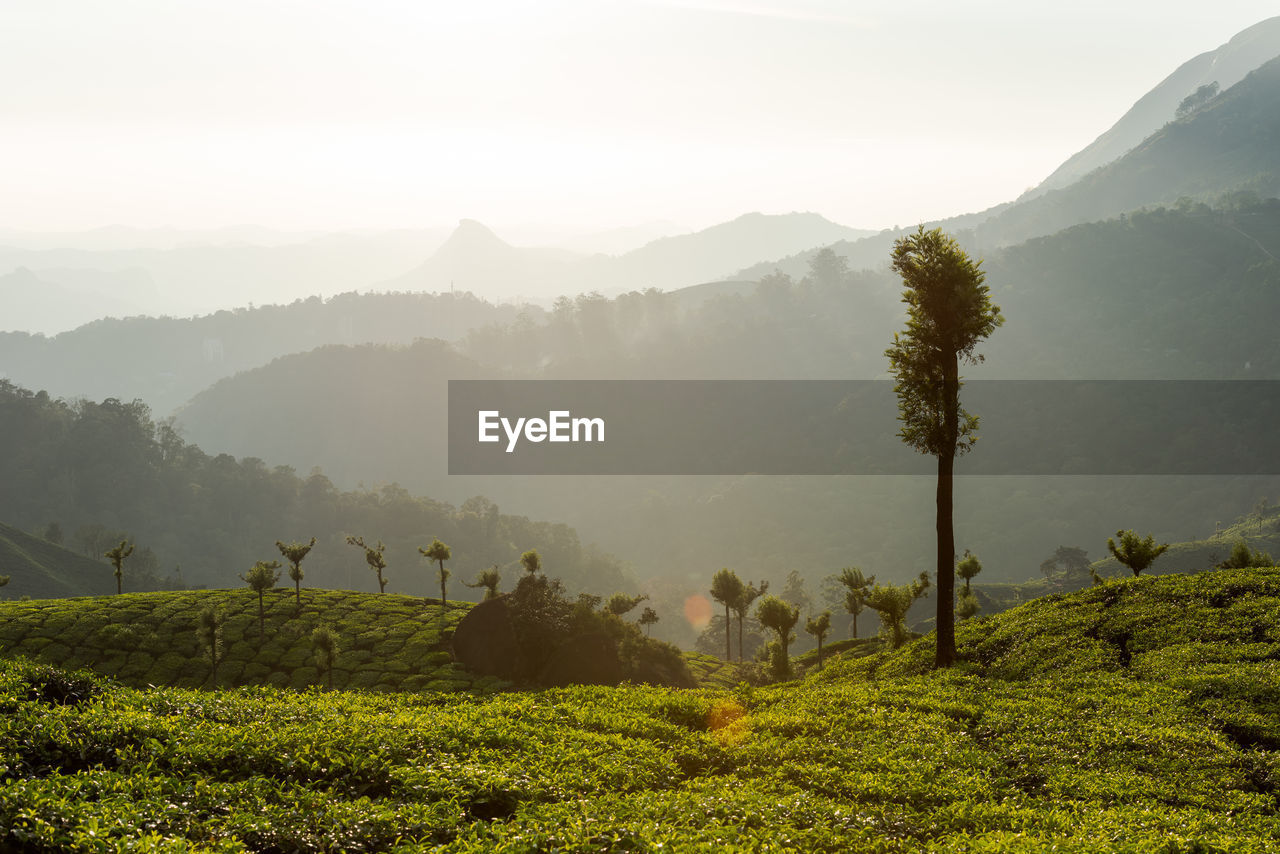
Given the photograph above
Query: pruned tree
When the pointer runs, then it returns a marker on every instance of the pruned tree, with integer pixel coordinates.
(648, 618)
(818, 627)
(967, 568)
(117, 556)
(742, 606)
(949, 311)
(489, 579)
(373, 557)
(727, 589)
(856, 584)
(324, 647)
(892, 601)
(781, 616)
(439, 553)
(623, 603)
(209, 635)
(294, 553)
(1135, 552)
(967, 605)
(262, 577)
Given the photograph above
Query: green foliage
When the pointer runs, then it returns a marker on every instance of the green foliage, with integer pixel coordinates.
(1243, 557)
(1135, 552)
(967, 605)
(373, 557)
(780, 616)
(892, 601)
(295, 552)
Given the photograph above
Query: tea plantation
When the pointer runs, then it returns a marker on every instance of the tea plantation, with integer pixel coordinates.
(141, 639)
(1140, 716)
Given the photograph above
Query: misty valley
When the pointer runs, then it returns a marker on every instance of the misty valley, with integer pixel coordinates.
(255, 596)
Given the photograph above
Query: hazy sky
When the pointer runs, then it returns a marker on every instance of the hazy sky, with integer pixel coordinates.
(336, 113)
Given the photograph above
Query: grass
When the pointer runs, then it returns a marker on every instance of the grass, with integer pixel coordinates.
(1141, 716)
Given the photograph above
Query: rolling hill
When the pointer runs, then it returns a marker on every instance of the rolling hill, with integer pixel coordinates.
(39, 569)
(1138, 716)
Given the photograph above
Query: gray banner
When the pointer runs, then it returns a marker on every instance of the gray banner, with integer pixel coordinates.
(851, 427)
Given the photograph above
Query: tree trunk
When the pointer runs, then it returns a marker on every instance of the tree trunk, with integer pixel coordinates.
(297, 593)
(946, 621)
(262, 619)
(728, 634)
(740, 621)
(855, 626)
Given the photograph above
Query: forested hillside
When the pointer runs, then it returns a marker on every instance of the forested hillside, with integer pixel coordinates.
(91, 467)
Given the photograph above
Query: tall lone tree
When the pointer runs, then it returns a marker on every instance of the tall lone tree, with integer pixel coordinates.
(373, 557)
(949, 311)
(856, 584)
(727, 588)
(261, 578)
(439, 552)
(117, 556)
(742, 607)
(1135, 552)
(295, 552)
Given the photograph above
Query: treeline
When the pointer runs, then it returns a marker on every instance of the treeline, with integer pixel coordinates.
(80, 465)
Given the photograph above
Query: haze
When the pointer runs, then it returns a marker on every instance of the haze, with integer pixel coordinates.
(561, 114)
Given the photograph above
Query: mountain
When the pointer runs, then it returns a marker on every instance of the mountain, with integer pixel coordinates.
(1230, 145)
(1226, 66)
(195, 276)
(166, 360)
(1165, 294)
(477, 260)
(55, 300)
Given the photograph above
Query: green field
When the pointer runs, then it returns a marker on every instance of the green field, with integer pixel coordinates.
(1142, 716)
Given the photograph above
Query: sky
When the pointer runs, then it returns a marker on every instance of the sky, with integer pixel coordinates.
(338, 114)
